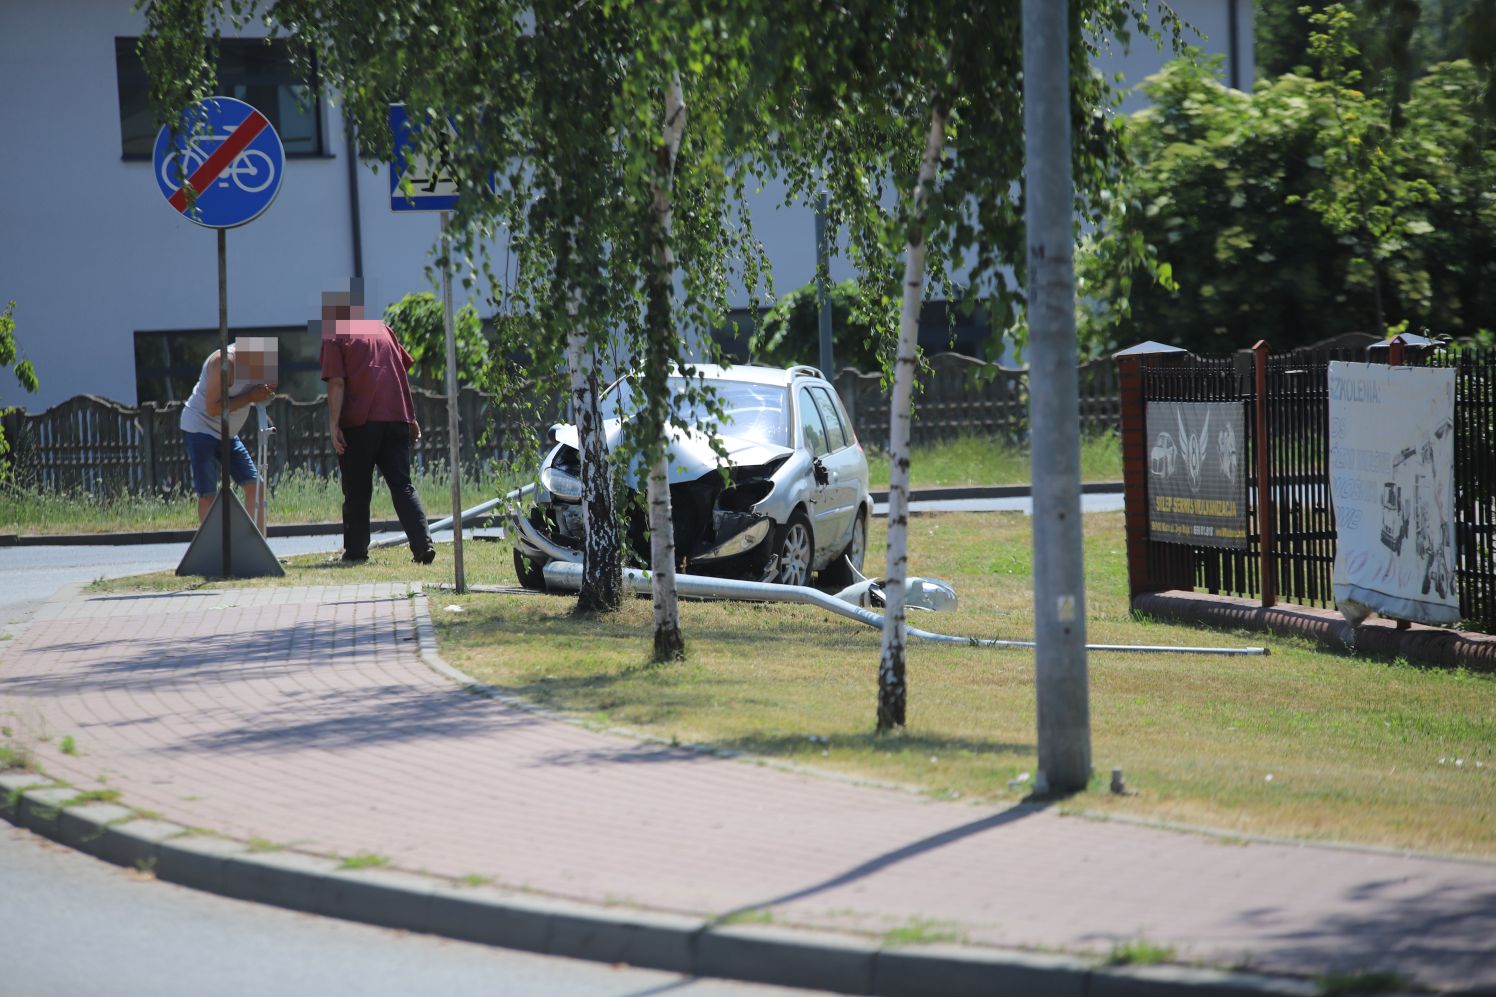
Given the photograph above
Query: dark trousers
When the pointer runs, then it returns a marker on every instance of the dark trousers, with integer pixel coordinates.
(385, 445)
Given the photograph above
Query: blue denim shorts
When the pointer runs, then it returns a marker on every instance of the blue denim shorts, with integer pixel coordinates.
(203, 453)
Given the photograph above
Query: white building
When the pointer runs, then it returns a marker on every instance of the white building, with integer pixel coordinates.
(115, 291)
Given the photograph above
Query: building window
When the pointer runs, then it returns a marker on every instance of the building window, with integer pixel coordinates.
(258, 71)
(168, 364)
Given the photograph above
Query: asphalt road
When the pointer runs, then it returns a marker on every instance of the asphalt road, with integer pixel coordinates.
(33, 574)
(77, 927)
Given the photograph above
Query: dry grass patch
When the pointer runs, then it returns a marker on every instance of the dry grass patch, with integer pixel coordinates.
(1353, 747)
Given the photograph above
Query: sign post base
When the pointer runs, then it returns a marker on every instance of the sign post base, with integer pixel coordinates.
(251, 555)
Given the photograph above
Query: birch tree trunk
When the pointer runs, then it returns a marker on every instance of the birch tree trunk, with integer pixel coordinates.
(669, 645)
(602, 564)
(892, 690)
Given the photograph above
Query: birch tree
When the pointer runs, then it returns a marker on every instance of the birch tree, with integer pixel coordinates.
(924, 102)
(662, 347)
(892, 692)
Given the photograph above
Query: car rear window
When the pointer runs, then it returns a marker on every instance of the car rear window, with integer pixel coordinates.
(836, 435)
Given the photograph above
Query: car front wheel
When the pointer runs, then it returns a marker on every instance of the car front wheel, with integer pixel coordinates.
(531, 573)
(795, 552)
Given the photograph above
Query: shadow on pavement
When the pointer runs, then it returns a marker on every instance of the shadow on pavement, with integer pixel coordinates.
(912, 850)
(1442, 937)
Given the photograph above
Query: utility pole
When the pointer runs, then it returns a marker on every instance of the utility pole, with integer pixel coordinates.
(1054, 414)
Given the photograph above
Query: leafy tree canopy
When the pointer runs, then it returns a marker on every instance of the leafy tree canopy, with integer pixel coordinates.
(417, 319)
(791, 332)
(1396, 41)
(1230, 191)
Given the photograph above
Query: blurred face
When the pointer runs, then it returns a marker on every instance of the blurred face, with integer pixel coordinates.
(252, 366)
(338, 306)
(256, 360)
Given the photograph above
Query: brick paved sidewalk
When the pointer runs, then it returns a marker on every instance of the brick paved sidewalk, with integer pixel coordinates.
(306, 718)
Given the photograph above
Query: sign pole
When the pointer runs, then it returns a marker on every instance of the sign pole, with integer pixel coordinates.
(453, 447)
(225, 449)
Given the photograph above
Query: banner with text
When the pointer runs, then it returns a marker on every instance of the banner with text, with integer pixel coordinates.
(1197, 485)
(1392, 485)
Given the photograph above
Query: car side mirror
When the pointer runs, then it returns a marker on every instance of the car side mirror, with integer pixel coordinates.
(819, 471)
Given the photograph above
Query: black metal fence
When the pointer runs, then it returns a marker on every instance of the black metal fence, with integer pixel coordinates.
(99, 447)
(1298, 443)
(94, 446)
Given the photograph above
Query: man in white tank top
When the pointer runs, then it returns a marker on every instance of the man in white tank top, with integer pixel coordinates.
(204, 446)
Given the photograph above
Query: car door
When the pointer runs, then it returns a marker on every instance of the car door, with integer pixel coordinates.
(821, 498)
(842, 461)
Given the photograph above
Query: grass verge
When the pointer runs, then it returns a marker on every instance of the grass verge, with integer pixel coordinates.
(298, 497)
(981, 460)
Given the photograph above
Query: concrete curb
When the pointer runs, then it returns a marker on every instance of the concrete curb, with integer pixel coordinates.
(1326, 627)
(676, 943)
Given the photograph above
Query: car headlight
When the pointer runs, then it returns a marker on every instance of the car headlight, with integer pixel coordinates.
(567, 487)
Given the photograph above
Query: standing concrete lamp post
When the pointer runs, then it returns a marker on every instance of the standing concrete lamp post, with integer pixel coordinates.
(1059, 585)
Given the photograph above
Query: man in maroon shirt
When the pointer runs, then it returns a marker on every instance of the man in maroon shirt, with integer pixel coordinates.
(372, 420)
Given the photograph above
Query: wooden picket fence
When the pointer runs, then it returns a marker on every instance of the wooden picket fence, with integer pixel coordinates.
(99, 447)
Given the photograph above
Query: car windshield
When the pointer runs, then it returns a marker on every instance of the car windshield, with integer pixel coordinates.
(753, 412)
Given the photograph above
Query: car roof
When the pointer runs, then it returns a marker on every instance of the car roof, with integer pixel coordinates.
(756, 374)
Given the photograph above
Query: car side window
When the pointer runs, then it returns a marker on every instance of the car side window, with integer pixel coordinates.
(836, 434)
(810, 422)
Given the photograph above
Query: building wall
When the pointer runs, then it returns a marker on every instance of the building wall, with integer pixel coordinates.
(91, 254)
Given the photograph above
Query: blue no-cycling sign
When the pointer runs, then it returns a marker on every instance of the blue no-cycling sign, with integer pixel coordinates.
(230, 154)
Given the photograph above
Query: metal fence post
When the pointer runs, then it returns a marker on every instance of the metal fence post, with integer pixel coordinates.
(147, 424)
(1396, 358)
(1135, 474)
(1265, 549)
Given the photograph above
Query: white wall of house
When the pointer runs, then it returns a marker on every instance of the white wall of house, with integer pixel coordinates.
(92, 254)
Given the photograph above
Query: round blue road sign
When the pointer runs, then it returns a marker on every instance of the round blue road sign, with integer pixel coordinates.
(228, 153)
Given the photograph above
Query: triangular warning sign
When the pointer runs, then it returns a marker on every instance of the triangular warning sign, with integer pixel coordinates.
(252, 557)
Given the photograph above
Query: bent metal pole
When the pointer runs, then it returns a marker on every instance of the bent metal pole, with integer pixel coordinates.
(567, 576)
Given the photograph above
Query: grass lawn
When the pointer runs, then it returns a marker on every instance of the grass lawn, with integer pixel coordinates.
(294, 498)
(1302, 743)
(978, 460)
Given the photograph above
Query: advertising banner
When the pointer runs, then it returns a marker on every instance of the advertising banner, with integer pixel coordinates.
(1197, 483)
(1392, 485)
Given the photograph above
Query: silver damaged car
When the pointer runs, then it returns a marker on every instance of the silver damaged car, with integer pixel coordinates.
(794, 501)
